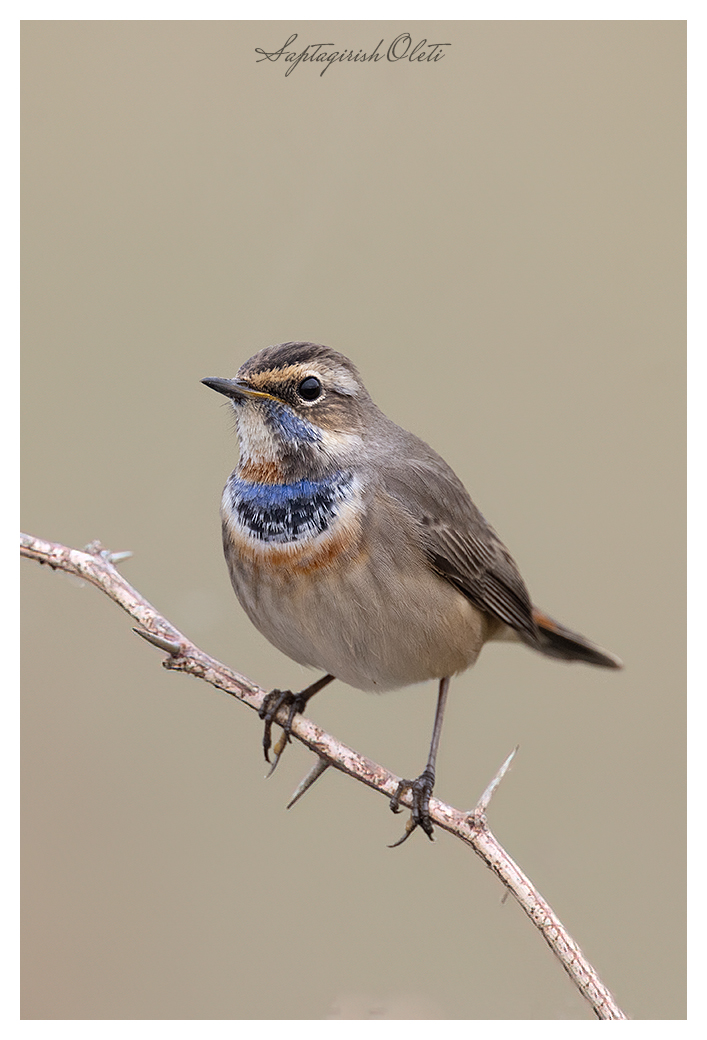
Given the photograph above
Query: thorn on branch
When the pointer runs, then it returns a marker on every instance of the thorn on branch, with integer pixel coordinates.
(117, 557)
(95, 548)
(319, 767)
(477, 818)
(168, 645)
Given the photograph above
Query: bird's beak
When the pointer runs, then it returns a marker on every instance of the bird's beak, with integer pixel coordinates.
(233, 388)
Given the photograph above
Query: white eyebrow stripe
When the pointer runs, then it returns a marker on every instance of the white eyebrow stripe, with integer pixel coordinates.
(342, 381)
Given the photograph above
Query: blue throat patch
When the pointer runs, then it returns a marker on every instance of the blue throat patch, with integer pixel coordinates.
(288, 512)
(289, 426)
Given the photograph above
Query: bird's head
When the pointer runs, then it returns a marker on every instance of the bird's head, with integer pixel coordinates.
(298, 406)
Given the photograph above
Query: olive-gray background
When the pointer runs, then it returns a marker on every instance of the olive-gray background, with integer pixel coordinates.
(497, 240)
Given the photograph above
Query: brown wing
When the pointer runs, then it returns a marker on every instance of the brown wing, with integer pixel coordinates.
(460, 545)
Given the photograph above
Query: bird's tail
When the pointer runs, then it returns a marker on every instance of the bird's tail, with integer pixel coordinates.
(557, 641)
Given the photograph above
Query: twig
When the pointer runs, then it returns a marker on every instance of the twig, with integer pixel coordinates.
(95, 564)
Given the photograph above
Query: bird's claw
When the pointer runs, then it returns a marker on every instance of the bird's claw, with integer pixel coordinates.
(421, 791)
(271, 705)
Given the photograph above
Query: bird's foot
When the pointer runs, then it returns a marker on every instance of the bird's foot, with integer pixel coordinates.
(271, 705)
(421, 791)
(296, 702)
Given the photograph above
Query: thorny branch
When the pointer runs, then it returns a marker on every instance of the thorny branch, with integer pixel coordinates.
(96, 565)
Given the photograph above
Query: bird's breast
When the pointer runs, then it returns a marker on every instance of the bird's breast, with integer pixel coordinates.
(304, 524)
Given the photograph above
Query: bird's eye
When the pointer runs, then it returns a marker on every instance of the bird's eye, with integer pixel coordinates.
(310, 388)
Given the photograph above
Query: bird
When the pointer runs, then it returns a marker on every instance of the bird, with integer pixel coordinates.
(355, 549)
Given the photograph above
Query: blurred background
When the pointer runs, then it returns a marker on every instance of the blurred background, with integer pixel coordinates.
(497, 240)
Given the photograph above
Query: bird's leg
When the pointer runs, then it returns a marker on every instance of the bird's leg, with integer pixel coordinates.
(421, 789)
(297, 702)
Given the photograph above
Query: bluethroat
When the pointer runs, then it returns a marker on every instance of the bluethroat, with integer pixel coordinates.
(355, 549)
